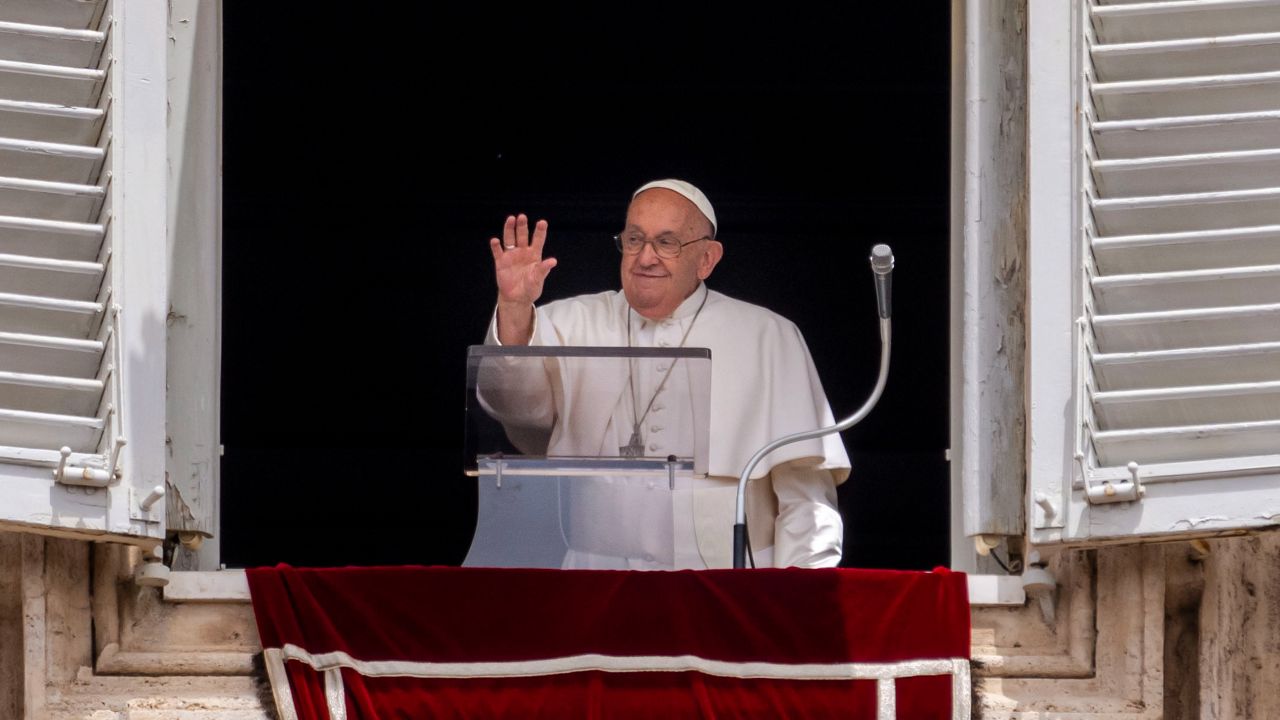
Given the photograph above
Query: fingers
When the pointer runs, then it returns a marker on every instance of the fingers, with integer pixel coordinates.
(495, 247)
(539, 236)
(544, 268)
(538, 275)
(515, 235)
(522, 230)
(509, 232)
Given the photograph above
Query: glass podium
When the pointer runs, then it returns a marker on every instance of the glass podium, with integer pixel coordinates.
(578, 451)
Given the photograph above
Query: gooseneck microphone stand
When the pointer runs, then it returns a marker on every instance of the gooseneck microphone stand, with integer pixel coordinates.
(881, 266)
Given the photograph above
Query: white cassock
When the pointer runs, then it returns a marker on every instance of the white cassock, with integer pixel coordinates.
(764, 386)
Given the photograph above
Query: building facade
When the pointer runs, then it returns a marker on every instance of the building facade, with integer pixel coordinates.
(1116, 335)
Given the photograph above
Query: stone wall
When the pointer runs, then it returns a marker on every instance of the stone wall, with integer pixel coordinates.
(79, 639)
(1176, 630)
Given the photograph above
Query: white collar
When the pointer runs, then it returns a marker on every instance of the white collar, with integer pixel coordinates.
(683, 311)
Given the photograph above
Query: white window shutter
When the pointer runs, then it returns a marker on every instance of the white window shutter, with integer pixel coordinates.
(1155, 134)
(83, 267)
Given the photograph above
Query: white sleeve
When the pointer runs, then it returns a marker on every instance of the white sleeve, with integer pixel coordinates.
(809, 531)
(491, 337)
(517, 393)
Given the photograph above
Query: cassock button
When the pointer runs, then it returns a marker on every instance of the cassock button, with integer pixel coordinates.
(655, 428)
(654, 446)
(664, 343)
(659, 407)
(662, 368)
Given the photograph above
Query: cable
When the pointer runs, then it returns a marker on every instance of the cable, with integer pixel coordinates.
(995, 556)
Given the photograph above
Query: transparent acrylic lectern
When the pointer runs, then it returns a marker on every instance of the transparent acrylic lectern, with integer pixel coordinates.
(578, 451)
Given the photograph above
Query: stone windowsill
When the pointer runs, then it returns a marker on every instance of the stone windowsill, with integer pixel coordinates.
(231, 586)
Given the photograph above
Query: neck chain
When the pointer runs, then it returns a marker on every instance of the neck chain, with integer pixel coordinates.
(635, 448)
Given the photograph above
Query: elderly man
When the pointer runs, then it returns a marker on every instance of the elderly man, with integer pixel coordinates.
(764, 386)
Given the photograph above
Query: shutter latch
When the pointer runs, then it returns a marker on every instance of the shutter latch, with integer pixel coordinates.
(1098, 492)
(87, 476)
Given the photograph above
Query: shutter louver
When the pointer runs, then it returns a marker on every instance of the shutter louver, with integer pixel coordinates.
(62, 288)
(1180, 332)
(54, 371)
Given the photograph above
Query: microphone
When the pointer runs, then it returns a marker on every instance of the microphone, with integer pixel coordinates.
(882, 266)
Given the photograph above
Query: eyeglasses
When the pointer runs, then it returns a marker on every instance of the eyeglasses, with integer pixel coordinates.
(666, 246)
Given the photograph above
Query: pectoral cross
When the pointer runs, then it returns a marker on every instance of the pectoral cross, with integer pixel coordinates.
(633, 449)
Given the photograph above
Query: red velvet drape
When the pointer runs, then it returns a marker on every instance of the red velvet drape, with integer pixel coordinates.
(469, 615)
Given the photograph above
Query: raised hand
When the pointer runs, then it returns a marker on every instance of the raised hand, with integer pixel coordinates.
(517, 260)
(520, 270)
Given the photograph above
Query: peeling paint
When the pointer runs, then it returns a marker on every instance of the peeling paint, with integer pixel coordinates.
(179, 512)
(1190, 523)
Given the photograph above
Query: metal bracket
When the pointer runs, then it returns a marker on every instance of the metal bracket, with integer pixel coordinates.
(1108, 491)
